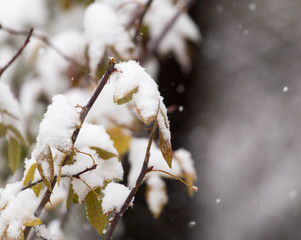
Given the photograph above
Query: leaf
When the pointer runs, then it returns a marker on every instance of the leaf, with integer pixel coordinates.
(33, 222)
(43, 159)
(70, 198)
(156, 205)
(17, 134)
(2, 130)
(126, 98)
(190, 180)
(37, 189)
(120, 138)
(103, 154)
(94, 212)
(14, 154)
(165, 147)
(30, 174)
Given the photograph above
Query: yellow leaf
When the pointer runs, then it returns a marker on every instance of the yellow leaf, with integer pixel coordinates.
(14, 154)
(37, 189)
(120, 138)
(189, 179)
(70, 198)
(33, 222)
(94, 212)
(165, 147)
(126, 98)
(103, 154)
(30, 174)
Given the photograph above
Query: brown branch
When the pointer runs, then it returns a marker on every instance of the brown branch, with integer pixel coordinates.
(154, 43)
(143, 172)
(141, 17)
(47, 42)
(83, 114)
(18, 53)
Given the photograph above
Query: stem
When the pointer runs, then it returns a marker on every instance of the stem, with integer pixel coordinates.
(141, 17)
(18, 53)
(153, 45)
(83, 115)
(143, 172)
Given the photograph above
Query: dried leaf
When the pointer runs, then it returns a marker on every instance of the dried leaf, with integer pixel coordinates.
(120, 138)
(14, 154)
(126, 98)
(94, 212)
(103, 154)
(165, 147)
(43, 159)
(30, 174)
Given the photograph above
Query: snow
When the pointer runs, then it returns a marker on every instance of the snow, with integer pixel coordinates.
(57, 126)
(136, 156)
(115, 195)
(23, 13)
(16, 209)
(285, 89)
(185, 160)
(95, 136)
(102, 30)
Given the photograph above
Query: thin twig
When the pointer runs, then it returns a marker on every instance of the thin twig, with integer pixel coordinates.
(18, 53)
(144, 170)
(47, 42)
(153, 45)
(63, 176)
(141, 17)
(83, 114)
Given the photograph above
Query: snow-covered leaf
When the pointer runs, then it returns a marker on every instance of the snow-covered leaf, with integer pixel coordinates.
(94, 212)
(156, 195)
(33, 222)
(126, 97)
(14, 154)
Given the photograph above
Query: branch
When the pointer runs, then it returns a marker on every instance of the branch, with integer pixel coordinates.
(143, 172)
(46, 41)
(153, 45)
(18, 53)
(141, 17)
(83, 115)
(77, 175)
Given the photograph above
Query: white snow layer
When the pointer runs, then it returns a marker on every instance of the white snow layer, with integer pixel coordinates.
(115, 195)
(102, 30)
(56, 129)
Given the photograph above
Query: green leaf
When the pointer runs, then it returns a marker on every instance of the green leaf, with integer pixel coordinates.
(17, 134)
(30, 174)
(165, 147)
(2, 130)
(94, 212)
(14, 154)
(126, 98)
(103, 154)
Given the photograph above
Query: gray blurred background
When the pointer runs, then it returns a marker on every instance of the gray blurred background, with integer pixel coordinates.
(243, 115)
